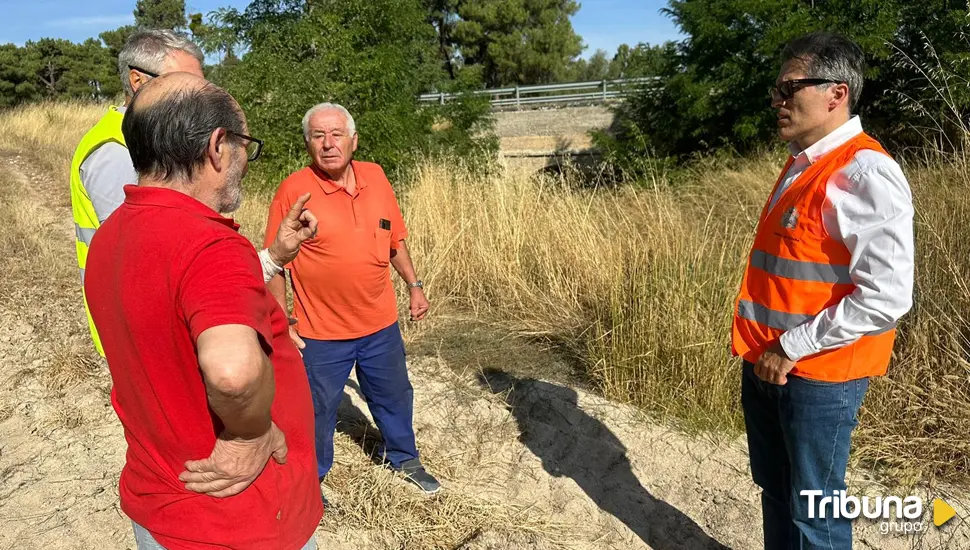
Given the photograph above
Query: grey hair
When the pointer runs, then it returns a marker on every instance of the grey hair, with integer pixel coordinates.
(167, 139)
(148, 48)
(351, 126)
(830, 56)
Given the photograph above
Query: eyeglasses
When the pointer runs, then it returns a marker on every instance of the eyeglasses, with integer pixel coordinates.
(786, 90)
(142, 71)
(253, 146)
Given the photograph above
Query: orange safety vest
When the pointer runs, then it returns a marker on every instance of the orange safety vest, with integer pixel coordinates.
(796, 270)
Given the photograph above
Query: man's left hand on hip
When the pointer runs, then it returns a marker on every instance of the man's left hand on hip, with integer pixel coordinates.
(774, 365)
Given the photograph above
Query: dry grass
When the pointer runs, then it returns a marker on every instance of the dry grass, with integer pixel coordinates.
(69, 365)
(641, 284)
(637, 284)
(40, 288)
(48, 133)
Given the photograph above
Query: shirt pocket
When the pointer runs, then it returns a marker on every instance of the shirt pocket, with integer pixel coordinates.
(382, 246)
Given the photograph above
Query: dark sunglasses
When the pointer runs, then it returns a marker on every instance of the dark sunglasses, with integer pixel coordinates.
(253, 146)
(142, 71)
(786, 90)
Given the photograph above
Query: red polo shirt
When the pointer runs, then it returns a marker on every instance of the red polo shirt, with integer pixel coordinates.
(162, 269)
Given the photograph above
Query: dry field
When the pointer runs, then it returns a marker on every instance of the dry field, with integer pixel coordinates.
(573, 388)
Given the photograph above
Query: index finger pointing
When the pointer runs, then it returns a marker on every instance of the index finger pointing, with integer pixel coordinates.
(297, 209)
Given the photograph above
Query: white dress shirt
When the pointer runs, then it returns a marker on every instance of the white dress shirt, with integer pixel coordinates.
(869, 207)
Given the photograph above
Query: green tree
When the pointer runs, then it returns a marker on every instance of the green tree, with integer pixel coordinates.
(515, 41)
(597, 67)
(640, 60)
(715, 83)
(161, 14)
(115, 39)
(152, 14)
(221, 34)
(53, 69)
(372, 56)
(443, 15)
(17, 82)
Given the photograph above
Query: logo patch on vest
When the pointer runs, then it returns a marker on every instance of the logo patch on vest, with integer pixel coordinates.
(790, 218)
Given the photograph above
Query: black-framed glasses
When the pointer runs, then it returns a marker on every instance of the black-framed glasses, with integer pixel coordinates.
(253, 146)
(786, 90)
(142, 71)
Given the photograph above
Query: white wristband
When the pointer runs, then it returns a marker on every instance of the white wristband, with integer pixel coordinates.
(270, 269)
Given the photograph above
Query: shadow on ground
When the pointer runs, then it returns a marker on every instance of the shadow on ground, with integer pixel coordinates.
(352, 422)
(573, 444)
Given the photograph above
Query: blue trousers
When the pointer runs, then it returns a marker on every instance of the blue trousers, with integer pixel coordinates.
(145, 541)
(798, 439)
(383, 376)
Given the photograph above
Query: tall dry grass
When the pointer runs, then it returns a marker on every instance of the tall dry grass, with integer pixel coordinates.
(41, 282)
(47, 133)
(639, 283)
(635, 283)
(41, 286)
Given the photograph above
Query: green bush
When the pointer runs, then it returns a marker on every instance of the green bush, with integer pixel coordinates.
(375, 57)
(714, 92)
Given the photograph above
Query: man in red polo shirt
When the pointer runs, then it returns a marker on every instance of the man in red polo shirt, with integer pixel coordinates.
(209, 388)
(346, 311)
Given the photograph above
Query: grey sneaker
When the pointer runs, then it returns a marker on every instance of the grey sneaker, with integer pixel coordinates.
(415, 474)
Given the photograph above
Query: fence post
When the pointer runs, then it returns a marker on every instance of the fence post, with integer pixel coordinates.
(442, 96)
(604, 90)
(517, 104)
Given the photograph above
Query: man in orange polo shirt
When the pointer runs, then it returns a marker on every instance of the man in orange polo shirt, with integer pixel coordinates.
(346, 311)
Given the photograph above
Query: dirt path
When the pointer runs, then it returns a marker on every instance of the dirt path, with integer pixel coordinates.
(525, 463)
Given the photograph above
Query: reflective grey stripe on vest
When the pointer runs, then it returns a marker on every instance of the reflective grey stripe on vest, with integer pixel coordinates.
(82, 277)
(800, 271)
(84, 234)
(769, 317)
(781, 320)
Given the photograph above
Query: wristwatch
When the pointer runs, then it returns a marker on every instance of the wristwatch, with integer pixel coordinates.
(417, 284)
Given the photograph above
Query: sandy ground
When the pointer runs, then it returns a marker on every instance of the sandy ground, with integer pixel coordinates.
(525, 463)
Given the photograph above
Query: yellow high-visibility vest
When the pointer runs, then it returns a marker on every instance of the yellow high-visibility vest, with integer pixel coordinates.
(108, 129)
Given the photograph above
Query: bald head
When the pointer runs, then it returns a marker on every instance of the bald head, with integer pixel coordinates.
(172, 121)
(166, 85)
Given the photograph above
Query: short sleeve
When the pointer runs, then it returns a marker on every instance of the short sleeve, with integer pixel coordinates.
(223, 285)
(399, 230)
(104, 174)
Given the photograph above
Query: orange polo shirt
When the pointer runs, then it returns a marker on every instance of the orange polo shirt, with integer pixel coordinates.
(341, 278)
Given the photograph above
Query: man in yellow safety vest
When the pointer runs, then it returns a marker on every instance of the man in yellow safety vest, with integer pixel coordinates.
(101, 166)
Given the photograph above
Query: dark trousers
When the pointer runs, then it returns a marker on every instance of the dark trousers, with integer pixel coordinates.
(798, 439)
(383, 376)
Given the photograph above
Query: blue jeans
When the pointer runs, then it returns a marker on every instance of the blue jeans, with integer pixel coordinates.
(798, 439)
(383, 375)
(145, 541)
